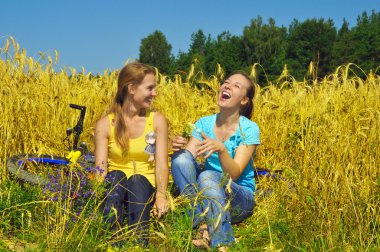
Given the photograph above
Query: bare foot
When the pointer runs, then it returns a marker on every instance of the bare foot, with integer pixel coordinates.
(223, 249)
(202, 238)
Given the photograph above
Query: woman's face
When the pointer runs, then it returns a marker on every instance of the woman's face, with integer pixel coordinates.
(144, 93)
(233, 92)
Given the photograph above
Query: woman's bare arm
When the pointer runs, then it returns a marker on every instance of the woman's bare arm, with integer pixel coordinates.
(102, 132)
(162, 168)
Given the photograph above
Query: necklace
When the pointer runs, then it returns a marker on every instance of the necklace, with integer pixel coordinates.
(224, 133)
(225, 137)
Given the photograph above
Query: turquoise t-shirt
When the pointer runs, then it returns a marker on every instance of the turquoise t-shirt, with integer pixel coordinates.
(247, 133)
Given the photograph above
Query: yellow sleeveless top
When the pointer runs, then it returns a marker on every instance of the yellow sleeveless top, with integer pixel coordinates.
(135, 161)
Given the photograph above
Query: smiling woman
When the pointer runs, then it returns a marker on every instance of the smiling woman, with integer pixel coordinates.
(131, 149)
(228, 141)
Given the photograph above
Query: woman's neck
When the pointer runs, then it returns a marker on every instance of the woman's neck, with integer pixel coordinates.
(227, 119)
(132, 111)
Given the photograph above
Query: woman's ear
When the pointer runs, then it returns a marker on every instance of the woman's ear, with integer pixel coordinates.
(131, 88)
(244, 101)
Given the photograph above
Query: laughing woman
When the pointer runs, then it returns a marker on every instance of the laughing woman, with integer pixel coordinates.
(228, 141)
(131, 149)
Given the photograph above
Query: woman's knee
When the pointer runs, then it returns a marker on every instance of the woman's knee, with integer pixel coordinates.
(209, 177)
(139, 187)
(182, 159)
(210, 182)
(116, 174)
(138, 178)
(116, 177)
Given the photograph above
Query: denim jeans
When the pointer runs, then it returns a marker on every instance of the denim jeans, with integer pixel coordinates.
(131, 198)
(216, 193)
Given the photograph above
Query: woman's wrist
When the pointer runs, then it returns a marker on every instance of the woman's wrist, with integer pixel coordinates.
(161, 194)
(222, 149)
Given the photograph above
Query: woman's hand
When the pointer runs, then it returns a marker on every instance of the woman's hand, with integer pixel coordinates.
(208, 146)
(178, 143)
(161, 205)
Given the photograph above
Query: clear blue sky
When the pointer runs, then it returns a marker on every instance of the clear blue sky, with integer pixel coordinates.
(103, 35)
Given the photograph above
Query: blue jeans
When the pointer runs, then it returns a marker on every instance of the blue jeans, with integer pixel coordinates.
(215, 196)
(131, 198)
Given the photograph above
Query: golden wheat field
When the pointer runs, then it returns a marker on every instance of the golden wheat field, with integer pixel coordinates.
(323, 133)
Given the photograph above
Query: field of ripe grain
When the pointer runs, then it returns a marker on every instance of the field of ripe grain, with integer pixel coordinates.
(323, 133)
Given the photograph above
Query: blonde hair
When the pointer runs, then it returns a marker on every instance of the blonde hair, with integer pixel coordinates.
(133, 73)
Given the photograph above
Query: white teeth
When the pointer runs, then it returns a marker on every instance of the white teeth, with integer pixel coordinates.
(226, 94)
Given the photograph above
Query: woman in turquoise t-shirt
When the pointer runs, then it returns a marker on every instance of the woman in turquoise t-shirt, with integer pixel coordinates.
(228, 141)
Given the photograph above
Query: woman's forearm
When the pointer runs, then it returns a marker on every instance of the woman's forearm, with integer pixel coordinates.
(162, 177)
(229, 165)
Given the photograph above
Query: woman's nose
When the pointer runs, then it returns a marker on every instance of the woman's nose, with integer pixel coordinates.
(227, 85)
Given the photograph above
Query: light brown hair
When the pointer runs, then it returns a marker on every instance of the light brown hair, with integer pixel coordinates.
(132, 73)
(247, 109)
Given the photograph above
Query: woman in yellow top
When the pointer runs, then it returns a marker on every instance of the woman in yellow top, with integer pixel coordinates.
(131, 148)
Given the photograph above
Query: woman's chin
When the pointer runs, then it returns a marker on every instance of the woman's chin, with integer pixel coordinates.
(147, 104)
(223, 102)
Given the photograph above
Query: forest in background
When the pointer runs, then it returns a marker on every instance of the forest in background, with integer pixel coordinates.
(274, 48)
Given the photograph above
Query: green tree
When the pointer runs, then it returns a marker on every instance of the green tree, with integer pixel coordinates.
(366, 40)
(198, 49)
(344, 46)
(311, 40)
(182, 62)
(226, 50)
(198, 43)
(265, 44)
(156, 51)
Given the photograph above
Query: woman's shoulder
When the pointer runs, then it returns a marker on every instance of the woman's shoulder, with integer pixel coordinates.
(157, 116)
(208, 118)
(104, 121)
(247, 123)
(102, 126)
(159, 119)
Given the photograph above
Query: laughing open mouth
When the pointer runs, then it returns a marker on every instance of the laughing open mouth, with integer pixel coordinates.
(226, 95)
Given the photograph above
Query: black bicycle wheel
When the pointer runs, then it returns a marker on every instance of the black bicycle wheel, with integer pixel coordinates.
(33, 168)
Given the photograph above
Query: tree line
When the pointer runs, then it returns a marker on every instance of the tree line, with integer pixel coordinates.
(273, 47)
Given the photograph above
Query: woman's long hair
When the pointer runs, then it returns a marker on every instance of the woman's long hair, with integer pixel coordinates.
(247, 109)
(133, 73)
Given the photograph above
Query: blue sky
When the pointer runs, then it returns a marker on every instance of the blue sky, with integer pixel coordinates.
(101, 35)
